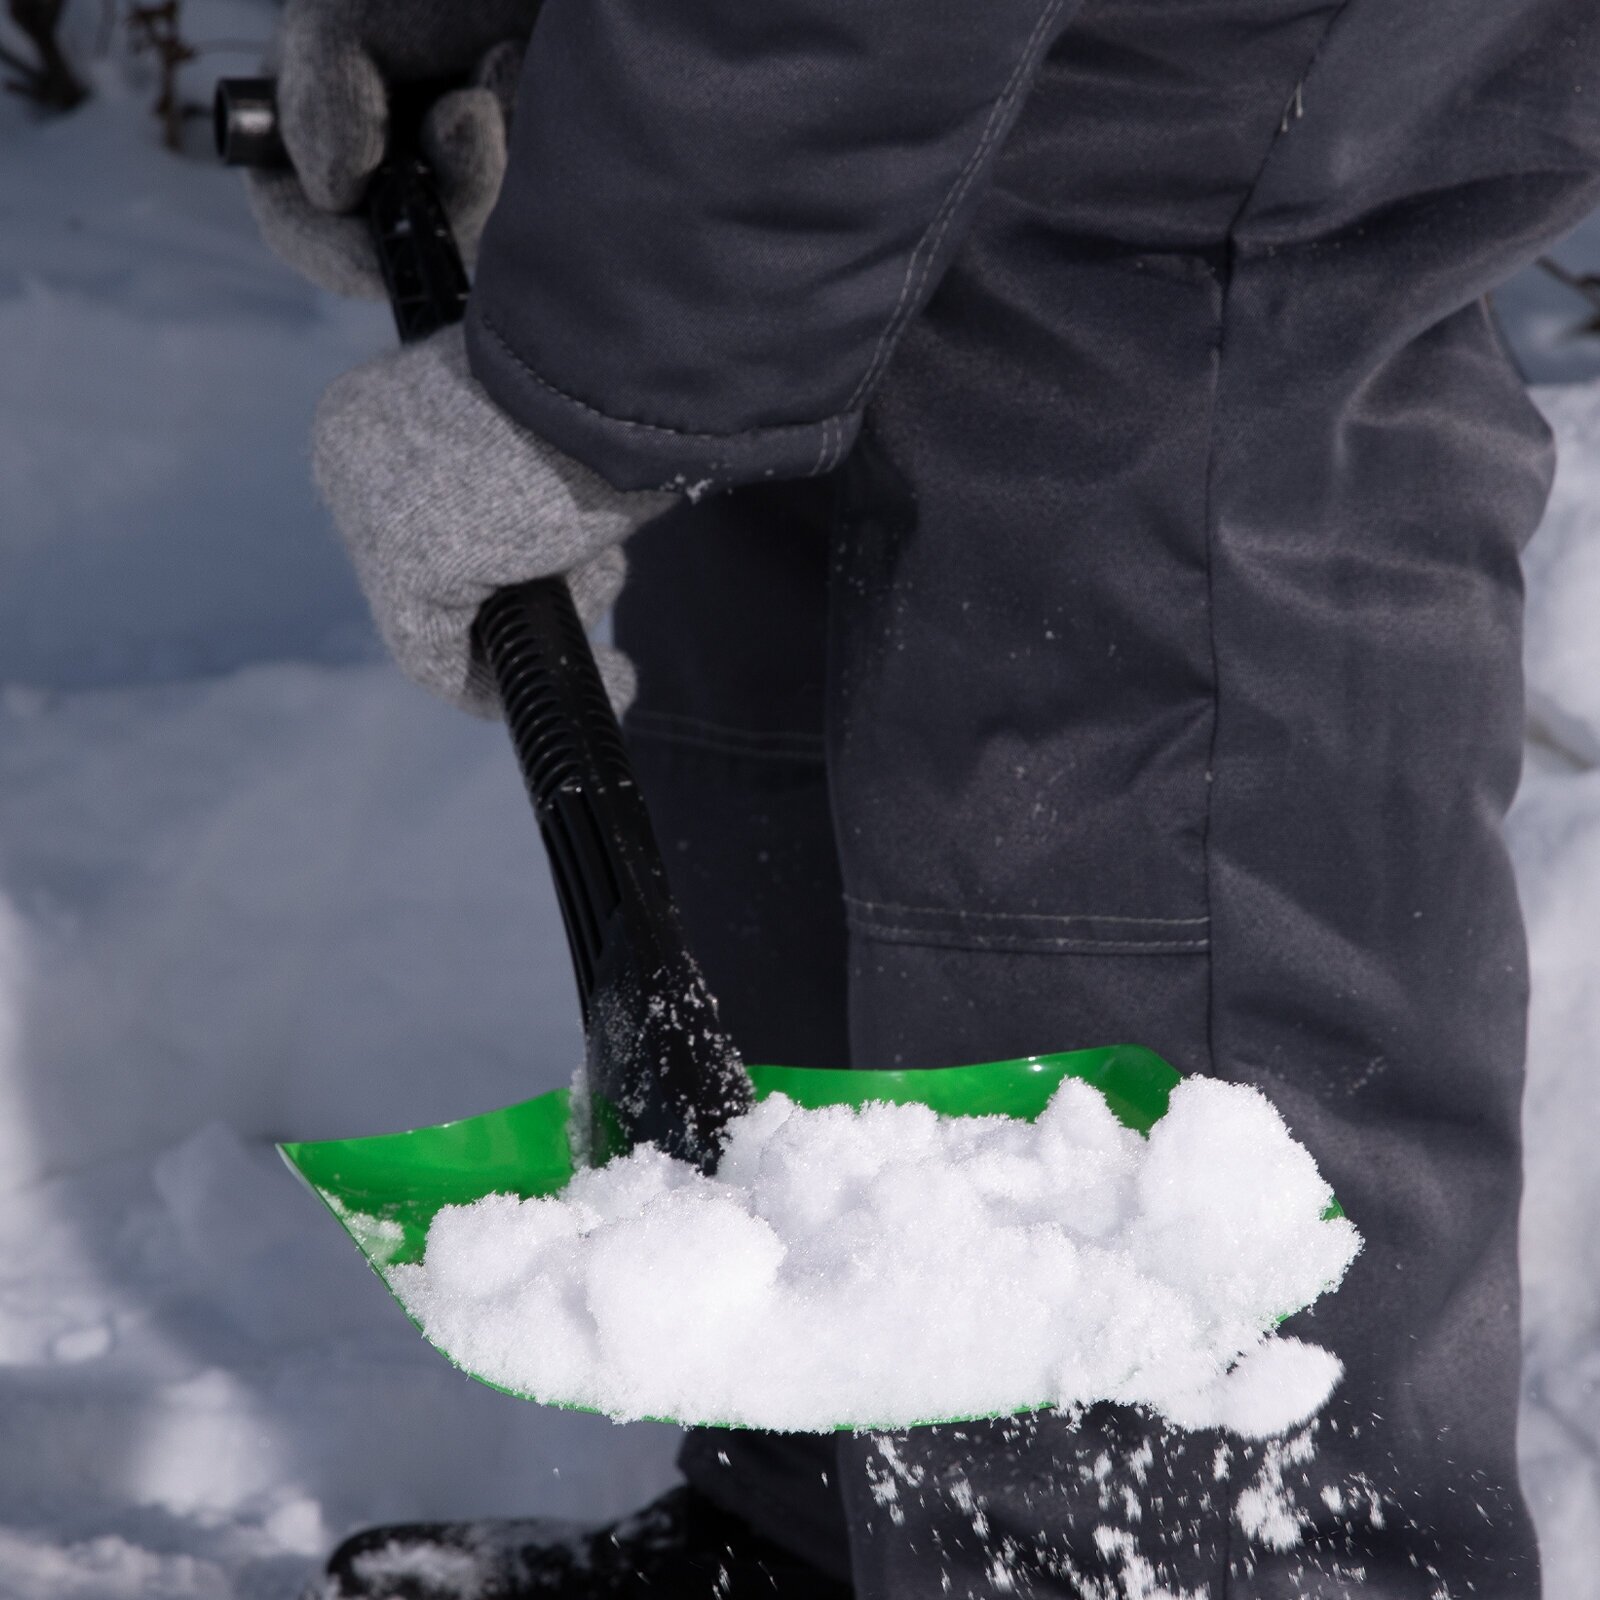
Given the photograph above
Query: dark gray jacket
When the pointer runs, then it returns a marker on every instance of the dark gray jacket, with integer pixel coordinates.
(720, 214)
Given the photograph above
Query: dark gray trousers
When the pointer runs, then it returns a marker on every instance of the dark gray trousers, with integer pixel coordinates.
(1150, 672)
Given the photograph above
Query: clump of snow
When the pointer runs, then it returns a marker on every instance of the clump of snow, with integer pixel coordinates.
(883, 1266)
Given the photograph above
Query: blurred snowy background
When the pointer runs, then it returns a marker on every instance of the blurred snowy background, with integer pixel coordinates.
(252, 886)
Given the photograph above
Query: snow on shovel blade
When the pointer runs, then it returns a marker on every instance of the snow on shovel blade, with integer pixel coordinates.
(386, 1190)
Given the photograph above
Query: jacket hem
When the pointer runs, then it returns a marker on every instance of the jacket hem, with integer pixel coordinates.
(633, 454)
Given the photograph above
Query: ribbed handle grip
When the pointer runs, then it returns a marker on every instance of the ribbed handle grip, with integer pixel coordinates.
(551, 692)
(596, 830)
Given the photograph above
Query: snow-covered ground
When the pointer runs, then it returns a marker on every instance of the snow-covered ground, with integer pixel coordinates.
(252, 885)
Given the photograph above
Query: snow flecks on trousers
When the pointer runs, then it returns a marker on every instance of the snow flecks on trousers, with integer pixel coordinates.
(884, 1480)
(885, 1266)
(1141, 1524)
(1139, 1577)
(1267, 1511)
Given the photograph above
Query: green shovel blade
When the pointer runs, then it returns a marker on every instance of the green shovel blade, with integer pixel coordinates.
(385, 1190)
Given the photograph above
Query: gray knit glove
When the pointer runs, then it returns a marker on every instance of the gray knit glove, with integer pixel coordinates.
(442, 499)
(337, 60)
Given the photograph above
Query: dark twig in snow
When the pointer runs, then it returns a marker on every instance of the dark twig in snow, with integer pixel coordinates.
(158, 27)
(49, 81)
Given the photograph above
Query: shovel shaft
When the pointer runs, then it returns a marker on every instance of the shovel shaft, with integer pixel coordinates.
(422, 271)
(659, 1066)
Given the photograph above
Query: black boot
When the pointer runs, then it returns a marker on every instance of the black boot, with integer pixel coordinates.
(680, 1547)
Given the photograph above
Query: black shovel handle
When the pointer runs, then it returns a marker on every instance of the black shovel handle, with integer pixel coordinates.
(603, 853)
(660, 1067)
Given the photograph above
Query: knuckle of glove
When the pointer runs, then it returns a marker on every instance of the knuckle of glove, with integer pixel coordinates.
(336, 61)
(333, 252)
(499, 70)
(433, 647)
(441, 499)
(464, 139)
(333, 109)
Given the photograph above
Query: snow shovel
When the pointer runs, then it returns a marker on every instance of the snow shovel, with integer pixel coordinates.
(658, 1066)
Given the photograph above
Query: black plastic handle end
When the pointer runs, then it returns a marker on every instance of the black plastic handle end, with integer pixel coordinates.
(244, 123)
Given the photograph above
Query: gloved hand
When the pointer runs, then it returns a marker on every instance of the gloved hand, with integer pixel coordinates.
(442, 499)
(337, 60)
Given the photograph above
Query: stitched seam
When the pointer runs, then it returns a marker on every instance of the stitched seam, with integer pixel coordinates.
(1023, 916)
(793, 758)
(729, 747)
(836, 454)
(728, 743)
(678, 719)
(1001, 941)
(927, 248)
(895, 933)
(772, 431)
(822, 454)
(1232, 252)
(891, 933)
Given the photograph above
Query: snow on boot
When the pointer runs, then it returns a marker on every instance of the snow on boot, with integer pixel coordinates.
(680, 1547)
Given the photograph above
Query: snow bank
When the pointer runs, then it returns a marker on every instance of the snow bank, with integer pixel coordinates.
(1555, 838)
(886, 1266)
(201, 1391)
(280, 899)
(159, 373)
(1562, 564)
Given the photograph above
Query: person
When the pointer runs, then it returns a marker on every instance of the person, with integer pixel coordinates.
(1072, 490)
